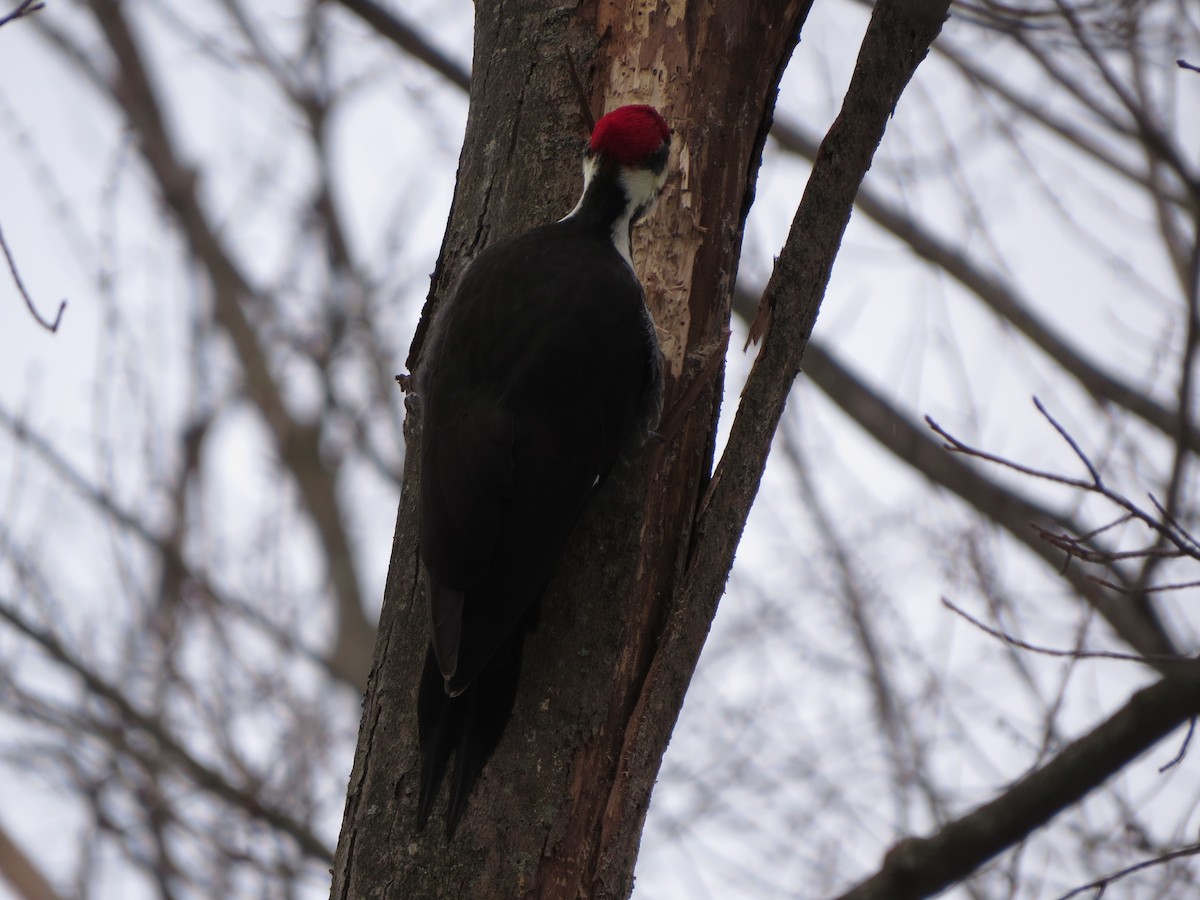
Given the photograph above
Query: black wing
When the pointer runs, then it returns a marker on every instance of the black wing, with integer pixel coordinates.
(537, 378)
(540, 372)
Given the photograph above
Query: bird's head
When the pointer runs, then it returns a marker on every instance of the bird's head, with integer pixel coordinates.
(635, 141)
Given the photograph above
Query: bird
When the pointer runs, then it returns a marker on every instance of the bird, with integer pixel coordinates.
(541, 371)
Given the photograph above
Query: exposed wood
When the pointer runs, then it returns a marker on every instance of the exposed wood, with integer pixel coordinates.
(560, 808)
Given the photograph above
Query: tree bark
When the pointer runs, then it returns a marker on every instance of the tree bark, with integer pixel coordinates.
(540, 822)
(559, 810)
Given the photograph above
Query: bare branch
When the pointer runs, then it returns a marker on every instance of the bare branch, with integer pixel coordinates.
(12, 267)
(922, 867)
(1182, 541)
(21, 873)
(954, 445)
(1175, 586)
(1075, 546)
(1183, 748)
(1170, 519)
(1187, 384)
(23, 9)
(998, 295)
(298, 443)
(408, 39)
(1101, 884)
(201, 774)
(1136, 623)
(1048, 651)
(1070, 441)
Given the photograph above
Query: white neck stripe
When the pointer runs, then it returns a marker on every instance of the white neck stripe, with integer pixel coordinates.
(641, 187)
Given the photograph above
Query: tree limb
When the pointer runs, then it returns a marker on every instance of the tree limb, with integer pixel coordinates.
(1133, 619)
(921, 867)
(298, 443)
(169, 552)
(21, 873)
(23, 9)
(12, 267)
(896, 40)
(200, 773)
(1000, 297)
(408, 39)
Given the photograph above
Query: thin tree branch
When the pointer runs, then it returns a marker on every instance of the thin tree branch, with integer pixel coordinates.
(408, 39)
(1187, 384)
(1171, 586)
(999, 296)
(1050, 651)
(12, 267)
(1135, 622)
(1100, 884)
(21, 872)
(202, 775)
(1162, 525)
(298, 443)
(23, 9)
(922, 867)
(1183, 748)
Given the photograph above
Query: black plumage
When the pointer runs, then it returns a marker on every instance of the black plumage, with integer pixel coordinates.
(539, 373)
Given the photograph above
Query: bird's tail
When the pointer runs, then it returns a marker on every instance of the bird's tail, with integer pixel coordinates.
(468, 726)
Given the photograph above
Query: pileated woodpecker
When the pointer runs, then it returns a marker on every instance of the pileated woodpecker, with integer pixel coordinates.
(540, 372)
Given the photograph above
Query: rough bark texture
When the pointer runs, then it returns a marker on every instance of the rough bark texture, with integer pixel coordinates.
(560, 808)
(558, 812)
(896, 41)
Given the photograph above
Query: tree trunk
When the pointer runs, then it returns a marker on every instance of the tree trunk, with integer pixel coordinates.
(549, 818)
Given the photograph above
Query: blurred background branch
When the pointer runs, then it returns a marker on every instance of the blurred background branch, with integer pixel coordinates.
(198, 480)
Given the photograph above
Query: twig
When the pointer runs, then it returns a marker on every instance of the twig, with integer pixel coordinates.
(1184, 64)
(1163, 524)
(1100, 884)
(1096, 532)
(12, 263)
(922, 867)
(407, 38)
(1183, 748)
(1074, 546)
(24, 9)
(1050, 651)
(201, 774)
(1174, 523)
(1137, 625)
(1174, 586)
(1070, 440)
(954, 445)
